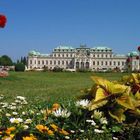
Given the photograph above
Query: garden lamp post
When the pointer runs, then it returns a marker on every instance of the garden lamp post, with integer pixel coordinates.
(139, 57)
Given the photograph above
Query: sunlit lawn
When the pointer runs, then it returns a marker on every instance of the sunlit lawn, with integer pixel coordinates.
(49, 86)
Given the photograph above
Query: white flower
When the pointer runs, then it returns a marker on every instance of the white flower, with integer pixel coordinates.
(14, 113)
(64, 113)
(13, 103)
(12, 107)
(103, 120)
(72, 131)
(67, 137)
(98, 131)
(91, 121)
(25, 127)
(81, 130)
(28, 121)
(82, 103)
(24, 102)
(17, 101)
(16, 120)
(23, 113)
(114, 138)
(8, 115)
(20, 97)
(4, 105)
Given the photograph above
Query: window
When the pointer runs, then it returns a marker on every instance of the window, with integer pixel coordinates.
(97, 62)
(54, 62)
(102, 63)
(118, 63)
(67, 62)
(110, 63)
(114, 63)
(50, 62)
(106, 63)
(38, 62)
(46, 62)
(30, 61)
(62, 62)
(93, 62)
(58, 62)
(35, 61)
(42, 62)
(123, 63)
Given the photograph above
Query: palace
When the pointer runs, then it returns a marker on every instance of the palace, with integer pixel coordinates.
(69, 58)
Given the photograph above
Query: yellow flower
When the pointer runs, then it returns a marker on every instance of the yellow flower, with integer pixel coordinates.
(9, 130)
(50, 132)
(42, 128)
(54, 127)
(62, 131)
(29, 138)
(55, 106)
(7, 138)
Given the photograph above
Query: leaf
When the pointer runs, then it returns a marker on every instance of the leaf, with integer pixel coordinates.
(137, 95)
(118, 115)
(110, 87)
(100, 94)
(97, 104)
(126, 102)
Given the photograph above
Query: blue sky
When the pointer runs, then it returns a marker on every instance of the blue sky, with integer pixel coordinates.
(44, 24)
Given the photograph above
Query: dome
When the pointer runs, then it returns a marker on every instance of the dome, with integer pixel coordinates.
(133, 54)
(34, 53)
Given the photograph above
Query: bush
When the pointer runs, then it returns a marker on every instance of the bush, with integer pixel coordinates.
(19, 67)
(57, 69)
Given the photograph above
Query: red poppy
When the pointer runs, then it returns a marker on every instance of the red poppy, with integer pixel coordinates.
(138, 48)
(128, 59)
(2, 21)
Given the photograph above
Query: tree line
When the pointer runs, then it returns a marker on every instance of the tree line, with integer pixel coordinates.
(5, 60)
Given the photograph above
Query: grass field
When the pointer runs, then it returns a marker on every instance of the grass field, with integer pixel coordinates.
(49, 86)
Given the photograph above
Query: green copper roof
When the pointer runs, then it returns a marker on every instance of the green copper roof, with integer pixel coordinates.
(101, 48)
(37, 53)
(64, 47)
(133, 53)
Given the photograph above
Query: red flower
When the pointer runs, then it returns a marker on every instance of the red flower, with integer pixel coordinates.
(139, 48)
(2, 21)
(128, 59)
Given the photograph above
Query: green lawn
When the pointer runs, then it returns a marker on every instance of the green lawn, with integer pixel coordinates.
(49, 86)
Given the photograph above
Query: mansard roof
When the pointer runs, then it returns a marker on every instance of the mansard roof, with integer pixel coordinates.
(35, 53)
(102, 48)
(64, 47)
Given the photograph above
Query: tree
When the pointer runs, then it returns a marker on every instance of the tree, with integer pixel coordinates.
(19, 67)
(5, 61)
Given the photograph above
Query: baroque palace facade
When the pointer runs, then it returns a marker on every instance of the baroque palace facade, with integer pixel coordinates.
(69, 58)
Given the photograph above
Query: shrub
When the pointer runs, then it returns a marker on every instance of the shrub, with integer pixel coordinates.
(19, 67)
